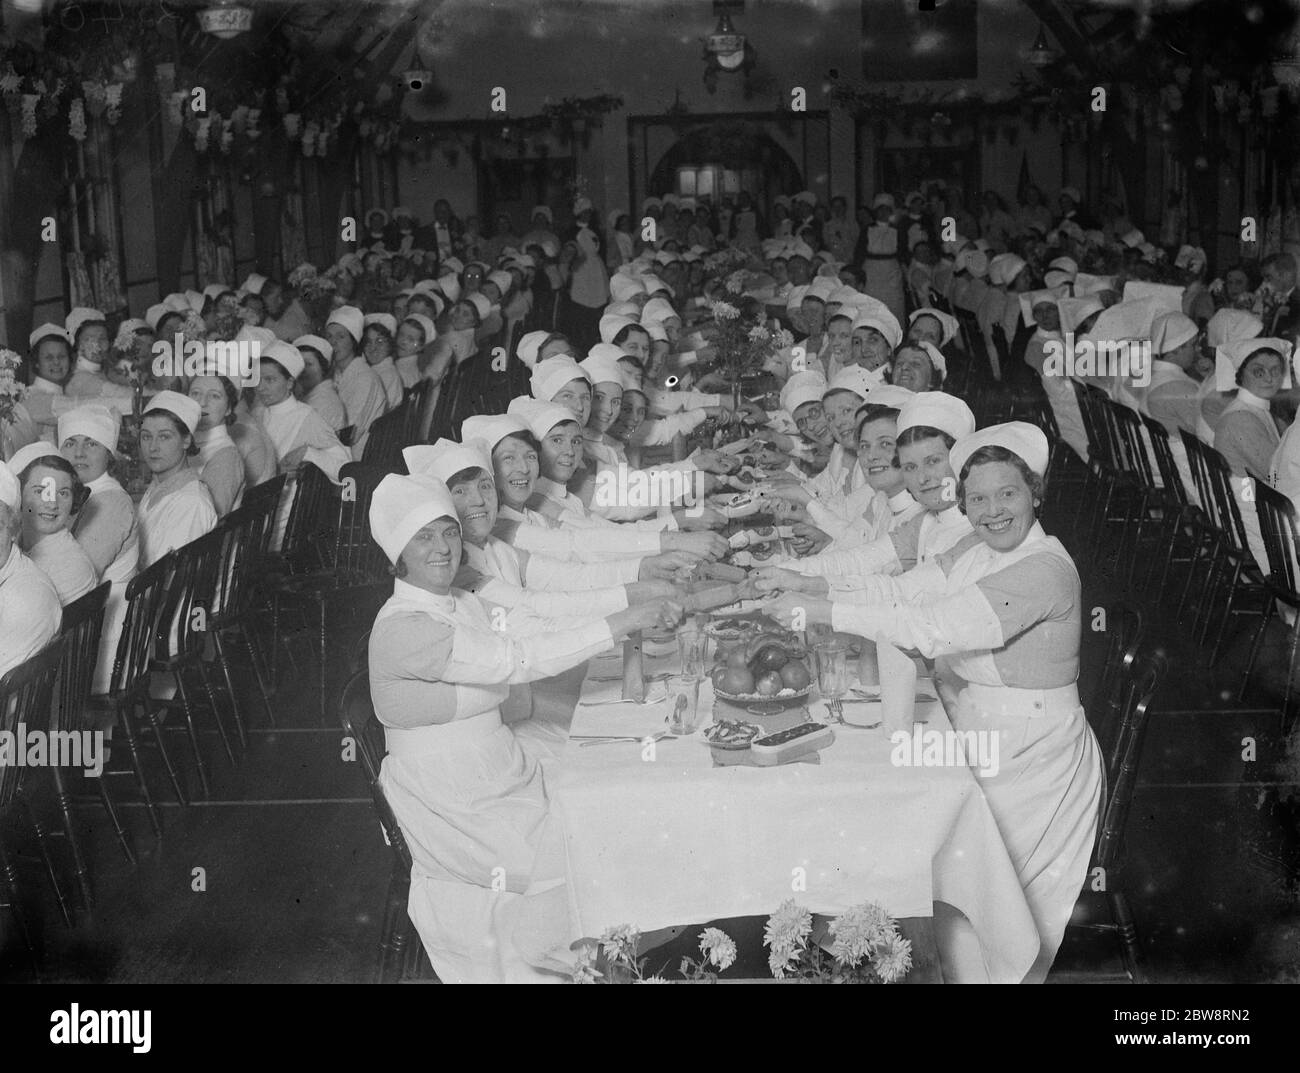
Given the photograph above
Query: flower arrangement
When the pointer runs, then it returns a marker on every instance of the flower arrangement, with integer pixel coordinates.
(616, 953)
(11, 391)
(866, 948)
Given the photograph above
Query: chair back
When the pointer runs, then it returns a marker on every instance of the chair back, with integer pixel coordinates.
(1214, 487)
(145, 595)
(80, 630)
(355, 554)
(387, 436)
(1126, 428)
(1277, 525)
(1124, 756)
(357, 714)
(25, 698)
(417, 398)
(1163, 452)
(308, 527)
(1125, 630)
(183, 626)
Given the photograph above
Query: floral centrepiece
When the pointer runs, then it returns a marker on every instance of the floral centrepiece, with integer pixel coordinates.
(11, 390)
(866, 948)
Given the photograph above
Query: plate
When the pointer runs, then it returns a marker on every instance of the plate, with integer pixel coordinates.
(734, 630)
(730, 746)
(744, 607)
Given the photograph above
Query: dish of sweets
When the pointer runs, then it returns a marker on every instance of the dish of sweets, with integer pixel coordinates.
(725, 735)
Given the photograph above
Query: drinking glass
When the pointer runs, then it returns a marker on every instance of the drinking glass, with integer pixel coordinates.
(832, 660)
(683, 703)
(693, 647)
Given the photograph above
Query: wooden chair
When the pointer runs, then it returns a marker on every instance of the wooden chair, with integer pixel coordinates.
(386, 440)
(1235, 573)
(180, 633)
(128, 686)
(25, 694)
(1126, 736)
(83, 622)
(247, 581)
(356, 573)
(1124, 633)
(400, 950)
(307, 527)
(1277, 523)
(1179, 511)
(417, 398)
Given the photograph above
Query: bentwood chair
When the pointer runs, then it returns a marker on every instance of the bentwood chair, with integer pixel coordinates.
(355, 578)
(1235, 574)
(128, 685)
(25, 694)
(1180, 513)
(1277, 523)
(1125, 733)
(83, 622)
(245, 577)
(401, 955)
(180, 634)
(387, 438)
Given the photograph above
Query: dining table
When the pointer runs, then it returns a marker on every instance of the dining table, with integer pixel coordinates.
(660, 831)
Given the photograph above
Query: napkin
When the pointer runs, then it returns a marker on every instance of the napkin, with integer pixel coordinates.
(897, 686)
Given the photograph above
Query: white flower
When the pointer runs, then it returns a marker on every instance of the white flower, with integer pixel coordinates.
(858, 931)
(786, 932)
(652, 980)
(725, 311)
(620, 943)
(718, 946)
(893, 958)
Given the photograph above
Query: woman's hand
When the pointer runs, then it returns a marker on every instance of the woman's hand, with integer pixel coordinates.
(798, 610)
(705, 545)
(808, 539)
(292, 462)
(642, 591)
(774, 579)
(712, 461)
(665, 567)
(698, 519)
(790, 491)
(663, 613)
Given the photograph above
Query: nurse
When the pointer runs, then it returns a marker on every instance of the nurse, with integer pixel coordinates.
(470, 802)
(928, 426)
(177, 506)
(1245, 433)
(51, 493)
(221, 466)
(1001, 614)
(919, 367)
(105, 527)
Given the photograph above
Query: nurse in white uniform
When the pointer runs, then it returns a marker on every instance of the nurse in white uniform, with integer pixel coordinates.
(1001, 614)
(105, 527)
(928, 425)
(177, 507)
(469, 800)
(51, 493)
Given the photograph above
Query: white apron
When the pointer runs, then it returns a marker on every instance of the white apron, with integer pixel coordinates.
(470, 804)
(881, 270)
(1046, 796)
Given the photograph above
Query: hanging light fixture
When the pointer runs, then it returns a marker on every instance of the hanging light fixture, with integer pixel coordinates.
(1040, 53)
(226, 20)
(725, 45)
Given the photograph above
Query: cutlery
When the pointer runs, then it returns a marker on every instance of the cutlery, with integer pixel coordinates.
(663, 735)
(618, 700)
(619, 677)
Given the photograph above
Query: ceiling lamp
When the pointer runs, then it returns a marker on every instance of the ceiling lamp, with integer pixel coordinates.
(1041, 54)
(725, 45)
(226, 20)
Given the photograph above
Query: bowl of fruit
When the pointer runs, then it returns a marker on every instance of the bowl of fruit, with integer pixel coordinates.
(768, 673)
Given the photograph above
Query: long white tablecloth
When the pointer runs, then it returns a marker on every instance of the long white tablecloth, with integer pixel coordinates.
(663, 837)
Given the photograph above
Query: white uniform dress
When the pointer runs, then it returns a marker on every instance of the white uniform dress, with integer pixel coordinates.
(173, 513)
(470, 801)
(107, 529)
(65, 564)
(1004, 627)
(915, 541)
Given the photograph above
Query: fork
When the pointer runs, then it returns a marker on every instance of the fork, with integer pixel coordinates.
(663, 735)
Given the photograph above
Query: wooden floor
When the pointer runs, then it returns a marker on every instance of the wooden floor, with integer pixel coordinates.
(295, 868)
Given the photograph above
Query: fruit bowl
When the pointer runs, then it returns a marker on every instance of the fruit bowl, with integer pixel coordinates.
(765, 703)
